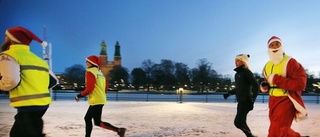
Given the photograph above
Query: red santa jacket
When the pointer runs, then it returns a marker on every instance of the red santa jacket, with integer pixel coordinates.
(294, 82)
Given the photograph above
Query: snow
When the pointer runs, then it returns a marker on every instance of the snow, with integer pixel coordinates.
(158, 119)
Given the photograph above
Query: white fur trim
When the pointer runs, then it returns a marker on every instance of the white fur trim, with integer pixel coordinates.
(284, 72)
(302, 111)
(44, 44)
(273, 40)
(92, 62)
(11, 37)
(270, 79)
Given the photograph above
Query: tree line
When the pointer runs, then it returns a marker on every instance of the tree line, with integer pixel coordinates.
(167, 75)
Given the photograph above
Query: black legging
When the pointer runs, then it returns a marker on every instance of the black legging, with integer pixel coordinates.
(95, 113)
(240, 120)
(28, 124)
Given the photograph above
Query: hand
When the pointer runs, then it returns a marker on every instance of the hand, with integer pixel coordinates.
(225, 96)
(253, 99)
(77, 98)
(264, 86)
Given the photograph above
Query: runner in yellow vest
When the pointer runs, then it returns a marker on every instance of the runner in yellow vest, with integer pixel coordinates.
(27, 79)
(96, 88)
(285, 78)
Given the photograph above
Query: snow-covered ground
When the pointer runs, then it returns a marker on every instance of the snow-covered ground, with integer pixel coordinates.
(158, 119)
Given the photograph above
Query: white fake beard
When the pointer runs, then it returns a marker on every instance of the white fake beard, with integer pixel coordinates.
(276, 57)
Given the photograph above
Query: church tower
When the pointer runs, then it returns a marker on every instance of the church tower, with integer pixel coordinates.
(106, 65)
(103, 54)
(117, 56)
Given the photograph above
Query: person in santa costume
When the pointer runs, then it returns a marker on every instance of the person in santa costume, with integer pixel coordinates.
(284, 79)
(27, 78)
(96, 88)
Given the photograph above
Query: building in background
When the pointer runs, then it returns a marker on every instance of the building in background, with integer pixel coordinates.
(107, 65)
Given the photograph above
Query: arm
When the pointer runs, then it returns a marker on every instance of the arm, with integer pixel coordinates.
(229, 93)
(107, 86)
(233, 90)
(9, 72)
(53, 80)
(254, 84)
(90, 84)
(296, 77)
(264, 85)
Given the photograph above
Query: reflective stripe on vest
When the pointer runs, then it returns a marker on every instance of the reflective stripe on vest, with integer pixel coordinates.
(31, 67)
(279, 69)
(98, 95)
(27, 97)
(34, 73)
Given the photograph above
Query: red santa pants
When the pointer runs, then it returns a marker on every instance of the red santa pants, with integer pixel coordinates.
(281, 115)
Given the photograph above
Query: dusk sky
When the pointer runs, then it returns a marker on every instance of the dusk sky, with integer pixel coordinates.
(179, 30)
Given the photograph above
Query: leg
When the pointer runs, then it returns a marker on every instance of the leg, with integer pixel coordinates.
(39, 123)
(97, 119)
(88, 119)
(105, 125)
(241, 117)
(28, 124)
(281, 115)
(17, 127)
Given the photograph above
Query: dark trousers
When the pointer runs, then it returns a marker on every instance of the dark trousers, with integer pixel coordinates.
(28, 124)
(95, 113)
(240, 120)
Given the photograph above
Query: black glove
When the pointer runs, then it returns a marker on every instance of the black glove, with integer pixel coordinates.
(253, 99)
(264, 83)
(225, 96)
(77, 98)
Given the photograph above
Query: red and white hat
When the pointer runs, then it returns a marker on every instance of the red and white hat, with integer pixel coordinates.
(94, 60)
(22, 35)
(273, 39)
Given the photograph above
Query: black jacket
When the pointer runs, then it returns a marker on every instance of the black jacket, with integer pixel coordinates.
(247, 87)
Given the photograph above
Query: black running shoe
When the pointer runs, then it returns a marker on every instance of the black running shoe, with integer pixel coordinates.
(121, 132)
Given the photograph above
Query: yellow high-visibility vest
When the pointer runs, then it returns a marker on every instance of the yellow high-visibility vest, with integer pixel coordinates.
(98, 96)
(280, 69)
(33, 87)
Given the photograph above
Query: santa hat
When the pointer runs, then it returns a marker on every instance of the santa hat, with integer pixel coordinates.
(244, 58)
(94, 60)
(23, 36)
(273, 39)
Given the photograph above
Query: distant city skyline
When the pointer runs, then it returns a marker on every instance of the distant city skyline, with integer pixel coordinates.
(181, 31)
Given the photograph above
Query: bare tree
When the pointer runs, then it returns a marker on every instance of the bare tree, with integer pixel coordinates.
(181, 74)
(147, 66)
(119, 77)
(75, 74)
(139, 78)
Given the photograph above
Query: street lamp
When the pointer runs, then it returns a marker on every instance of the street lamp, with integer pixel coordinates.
(180, 92)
